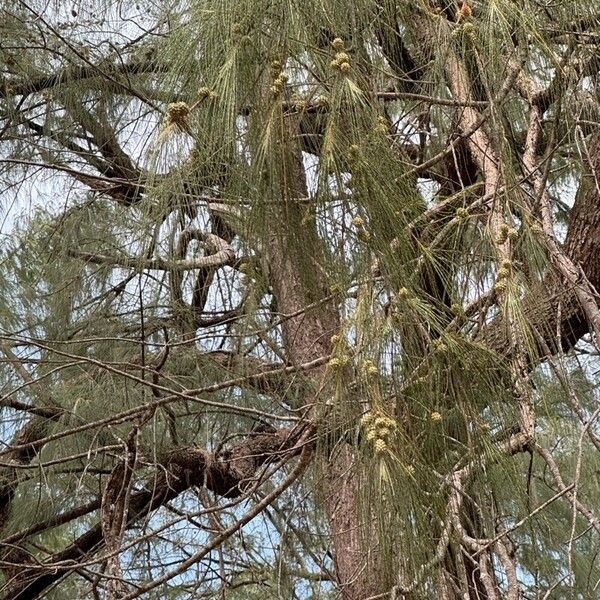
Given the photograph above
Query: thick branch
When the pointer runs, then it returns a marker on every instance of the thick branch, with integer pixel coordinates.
(224, 255)
(227, 474)
(552, 309)
(73, 74)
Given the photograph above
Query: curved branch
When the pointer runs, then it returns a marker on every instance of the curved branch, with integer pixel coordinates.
(227, 474)
(223, 255)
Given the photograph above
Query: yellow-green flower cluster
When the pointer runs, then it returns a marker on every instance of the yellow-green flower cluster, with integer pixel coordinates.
(505, 269)
(361, 231)
(403, 294)
(382, 126)
(339, 362)
(536, 229)
(322, 101)
(440, 347)
(369, 368)
(502, 234)
(338, 44)
(342, 59)
(177, 113)
(504, 273)
(205, 92)
(279, 83)
(379, 429)
(435, 416)
(500, 286)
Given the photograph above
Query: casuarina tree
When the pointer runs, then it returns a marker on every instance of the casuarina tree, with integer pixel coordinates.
(300, 299)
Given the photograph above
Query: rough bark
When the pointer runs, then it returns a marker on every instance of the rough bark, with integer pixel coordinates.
(306, 336)
(552, 309)
(227, 474)
(14, 557)
(294, 262)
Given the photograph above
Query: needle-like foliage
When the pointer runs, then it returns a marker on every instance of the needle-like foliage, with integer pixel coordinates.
(299, 299)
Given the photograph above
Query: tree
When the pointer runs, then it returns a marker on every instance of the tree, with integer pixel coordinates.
(300, 299)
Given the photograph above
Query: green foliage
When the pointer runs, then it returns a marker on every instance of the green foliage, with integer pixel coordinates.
(302, 135)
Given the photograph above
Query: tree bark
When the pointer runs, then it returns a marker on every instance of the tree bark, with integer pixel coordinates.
(306, 336)
(228, 474)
